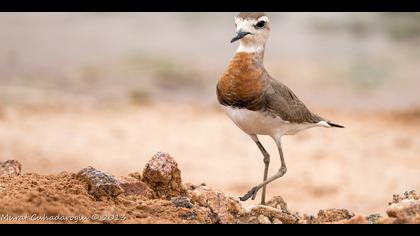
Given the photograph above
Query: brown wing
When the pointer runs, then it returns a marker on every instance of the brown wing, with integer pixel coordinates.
(282, 102)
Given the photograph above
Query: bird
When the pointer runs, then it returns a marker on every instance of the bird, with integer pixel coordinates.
(256, 102)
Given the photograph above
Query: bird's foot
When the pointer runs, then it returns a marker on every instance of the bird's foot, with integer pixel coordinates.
(251, 194)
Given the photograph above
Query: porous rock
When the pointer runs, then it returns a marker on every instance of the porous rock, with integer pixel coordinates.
(225, 209)
(273, 214)
(100, 184)
(162, 175)
(333, 215)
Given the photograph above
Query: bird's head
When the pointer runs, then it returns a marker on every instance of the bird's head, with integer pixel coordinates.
(252, 29)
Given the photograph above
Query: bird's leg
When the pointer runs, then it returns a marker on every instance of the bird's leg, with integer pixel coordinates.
(266, 165)
(282, 171)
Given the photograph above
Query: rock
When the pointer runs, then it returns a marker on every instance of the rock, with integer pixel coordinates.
(133, 186)
(396, 198)
(100, 184)
(163, 176)
(333, 215)
(275, 211)
(405, 209)
(224, 208)
(278, 203)
(373, 218)
(183, 202)
(263, 220)
(10, 168)
(272, 214)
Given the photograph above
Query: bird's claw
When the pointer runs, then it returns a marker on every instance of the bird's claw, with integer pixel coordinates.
(251, 194)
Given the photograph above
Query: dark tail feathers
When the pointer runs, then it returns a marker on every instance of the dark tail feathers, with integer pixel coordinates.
(335, 125)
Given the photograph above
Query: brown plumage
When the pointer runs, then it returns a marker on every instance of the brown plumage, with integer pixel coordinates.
(240, 86)
(247, 85)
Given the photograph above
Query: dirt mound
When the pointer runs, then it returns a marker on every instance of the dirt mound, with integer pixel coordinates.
(159, 196)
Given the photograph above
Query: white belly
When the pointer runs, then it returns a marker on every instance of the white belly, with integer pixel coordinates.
(258, 123)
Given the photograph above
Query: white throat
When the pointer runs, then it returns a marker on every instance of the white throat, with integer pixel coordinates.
(250, 48)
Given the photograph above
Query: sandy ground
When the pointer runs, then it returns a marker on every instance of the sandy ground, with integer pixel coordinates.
(375, 156)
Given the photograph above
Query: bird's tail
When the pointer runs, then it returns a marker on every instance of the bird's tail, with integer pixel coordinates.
(335, 125)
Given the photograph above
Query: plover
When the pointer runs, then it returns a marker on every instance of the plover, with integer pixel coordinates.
(257, 103)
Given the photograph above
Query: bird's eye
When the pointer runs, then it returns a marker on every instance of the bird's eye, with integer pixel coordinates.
(260, 24)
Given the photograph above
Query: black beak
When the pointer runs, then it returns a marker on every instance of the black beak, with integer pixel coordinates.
(240, 35)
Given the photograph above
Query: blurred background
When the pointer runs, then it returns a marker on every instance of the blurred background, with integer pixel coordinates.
(111, 89)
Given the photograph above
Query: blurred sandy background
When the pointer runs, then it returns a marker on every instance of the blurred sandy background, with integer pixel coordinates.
(111, 89)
